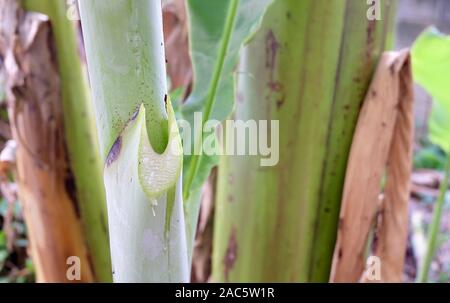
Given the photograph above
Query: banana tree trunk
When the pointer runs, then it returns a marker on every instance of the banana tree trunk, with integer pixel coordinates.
(139, 139)
(308, 67)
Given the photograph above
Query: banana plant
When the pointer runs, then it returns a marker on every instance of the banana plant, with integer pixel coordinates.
(139, 139)
(309, 67)
(431, 69)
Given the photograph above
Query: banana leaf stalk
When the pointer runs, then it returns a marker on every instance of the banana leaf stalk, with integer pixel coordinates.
(139, 140)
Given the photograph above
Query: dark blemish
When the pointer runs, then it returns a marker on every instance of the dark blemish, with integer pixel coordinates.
(370, 31)
(288, 15)
(71, 190)
(231, 254)
(280, 103)
(327, 210)
(347, 107)
(383, 124)
(272, 47)
(275, 86)
(357, 79)
(340, 253)
(370, 38)
(114, 152)
(165, 99)
(373, 93)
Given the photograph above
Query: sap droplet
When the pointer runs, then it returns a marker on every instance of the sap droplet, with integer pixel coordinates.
(154, 204)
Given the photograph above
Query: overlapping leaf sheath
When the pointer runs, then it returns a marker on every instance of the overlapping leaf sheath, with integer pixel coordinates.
(383, 143)
(308, 67)
(139, 139)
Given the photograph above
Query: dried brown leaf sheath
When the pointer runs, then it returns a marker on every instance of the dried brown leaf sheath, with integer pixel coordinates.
(382, 143)
(179, 66)
(35, 113)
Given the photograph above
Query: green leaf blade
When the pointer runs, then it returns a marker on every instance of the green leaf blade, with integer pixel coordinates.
(431, 69)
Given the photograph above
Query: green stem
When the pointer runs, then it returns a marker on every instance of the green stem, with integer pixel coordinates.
(314, 61)
(125, 54)
(212, 91)
(80, 134)
(434, 227)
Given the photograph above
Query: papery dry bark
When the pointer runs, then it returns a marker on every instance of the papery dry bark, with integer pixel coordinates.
(201, 259)
(35, 113)
(383, 143)
(179, 66)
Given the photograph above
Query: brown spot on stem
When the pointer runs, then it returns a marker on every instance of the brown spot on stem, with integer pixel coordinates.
(231, 254)
(114, 152)
(272, 47)
(371, 26)
(275, 87)
(280, 102)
